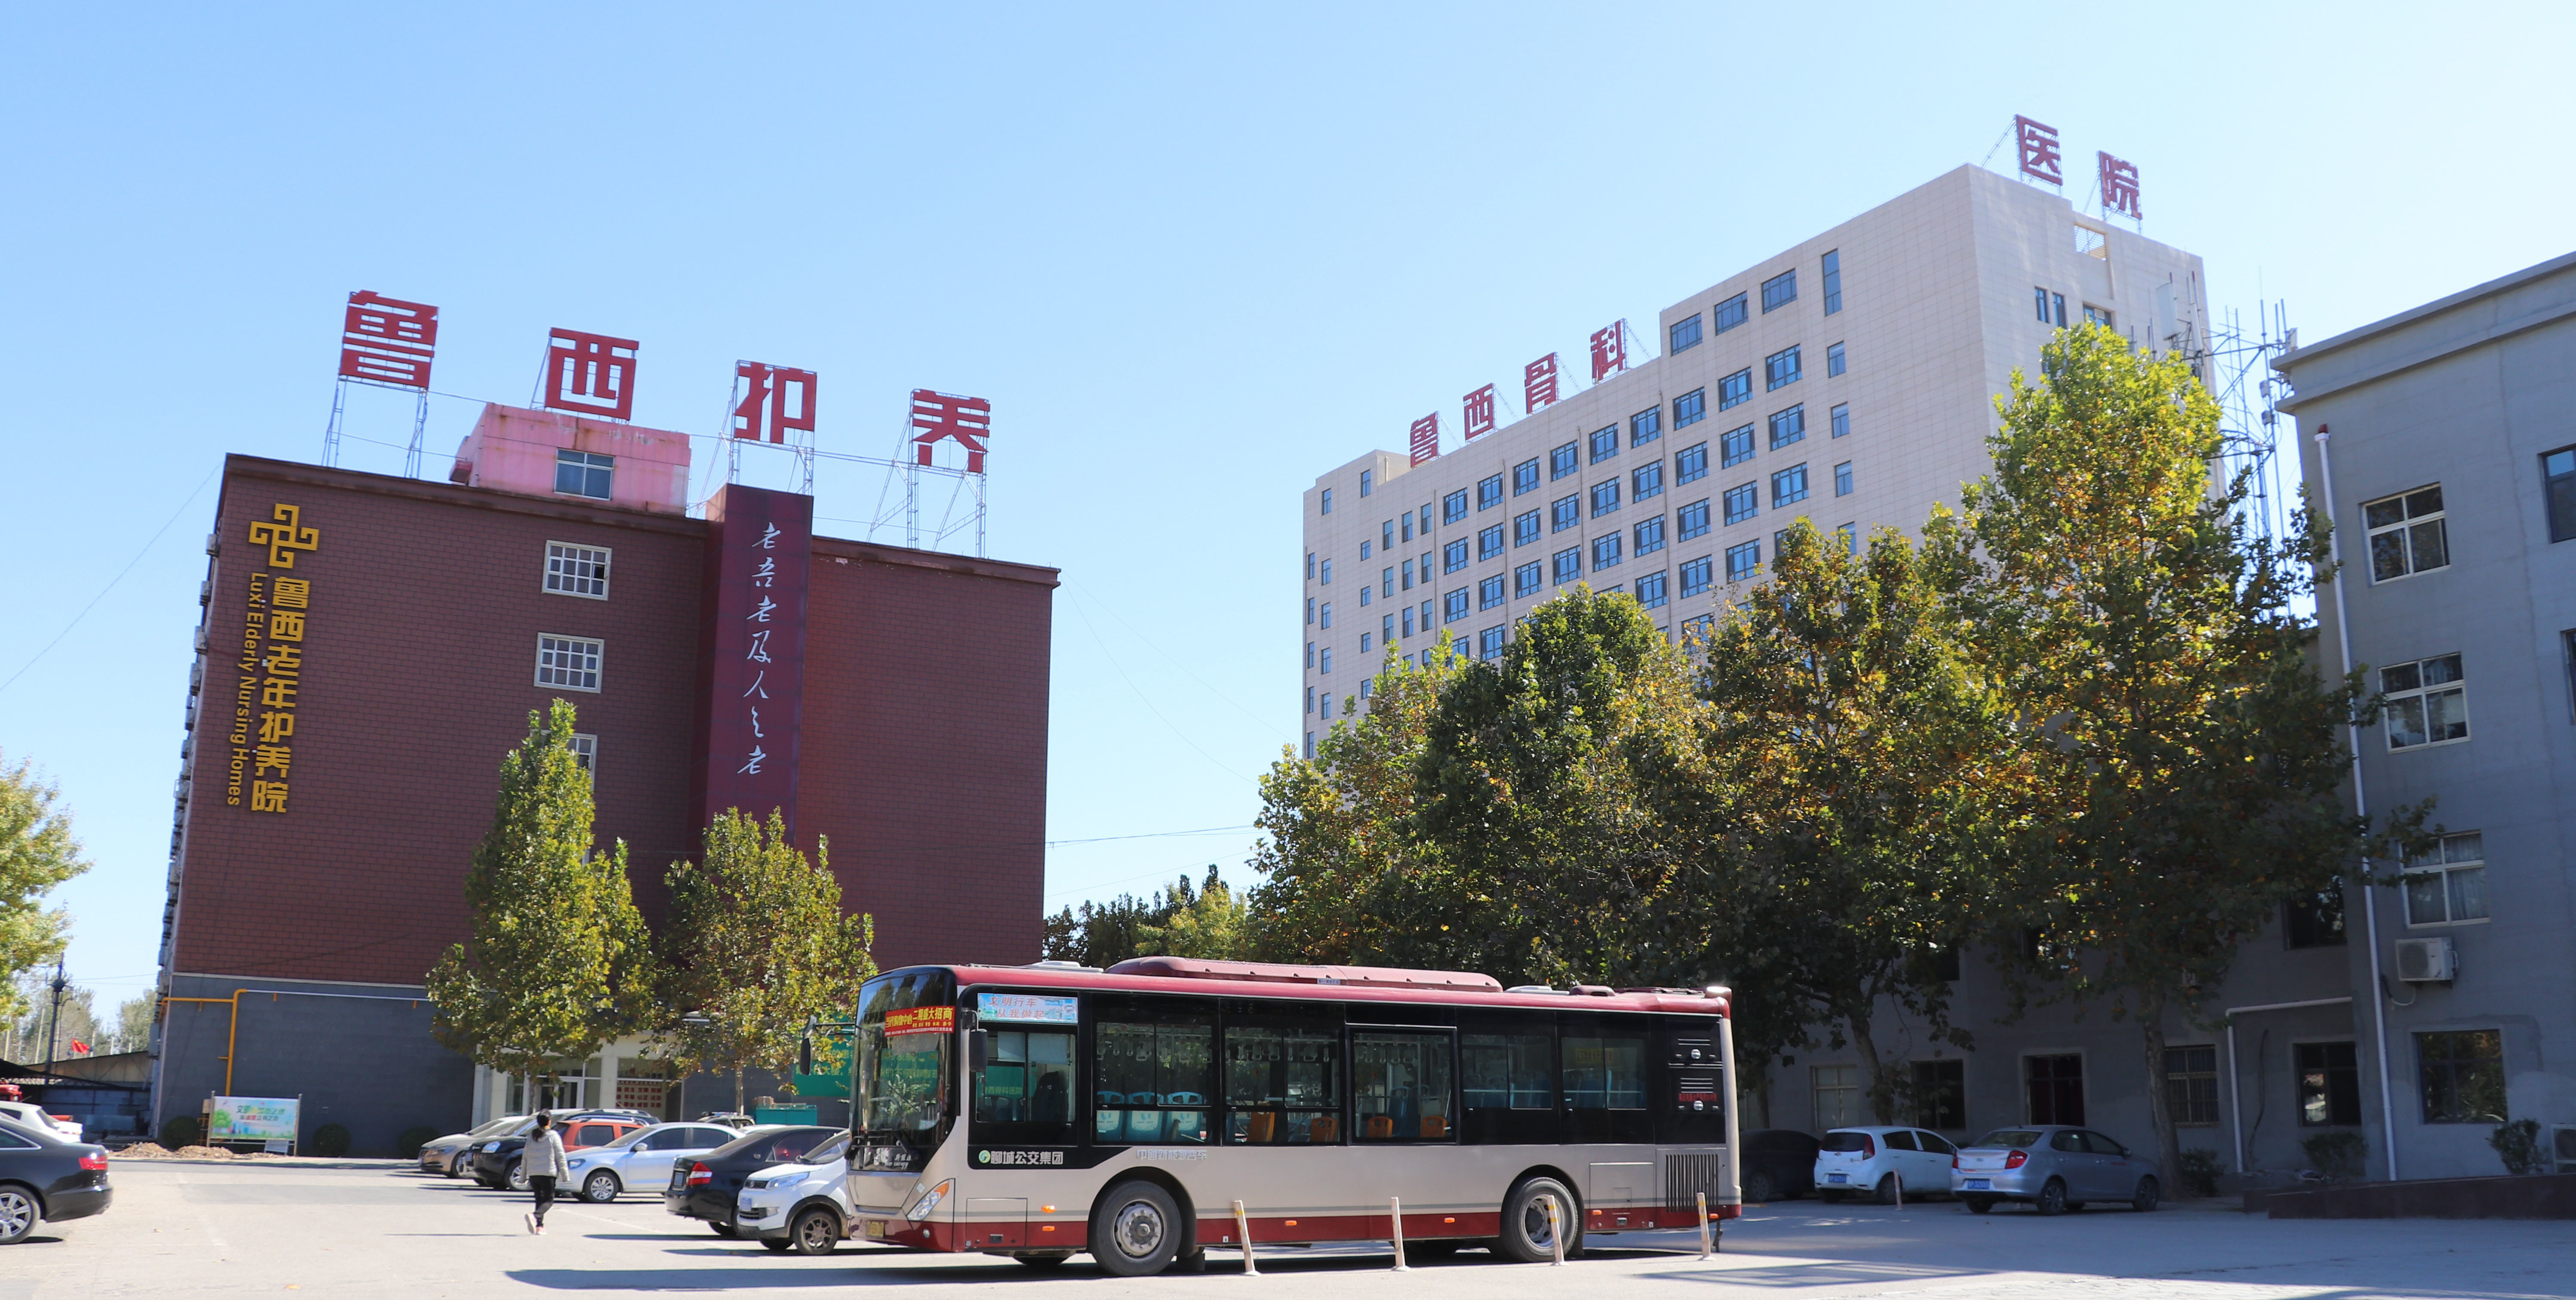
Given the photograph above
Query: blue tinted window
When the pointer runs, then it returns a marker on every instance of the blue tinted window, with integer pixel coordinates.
(1525, 528)
(1780, 290)
(1737, 445)
(1366, 476)
(1842, 419)
(1650, 536)
(1743, 502)
(1650, 591)
(1489, 543)
(1454, 606)
(1735, 390)
(1453, 507)
(1489, 492)
(1833, 282)
(1690, 408)
(1527, 579)
(1453, 557)
(1788, 426)
(1728, 314)
(1569, 564)
(1744, 561)
(1605, 551)
(1565, 513)
(1780, 369)
(1489, 643)
(1605, 498)
(1328, 502)
(1563, 461)
(1489, 593)
(1646, 481)
(1843, 479)
(584, 474)
(1605, 443)
(1685, 334)
(1691, 464)
(1695, 576)
(1525, 476)
(1789, 485)
(1834, 363)
(1645, 426)
(1693, 519)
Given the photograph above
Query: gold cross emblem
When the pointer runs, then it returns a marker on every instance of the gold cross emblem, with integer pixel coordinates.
(285, 537)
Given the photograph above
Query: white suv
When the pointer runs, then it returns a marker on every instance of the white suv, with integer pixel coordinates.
(804, 1208)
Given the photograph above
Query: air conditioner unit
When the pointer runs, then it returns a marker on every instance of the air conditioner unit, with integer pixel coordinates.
(2427, 961)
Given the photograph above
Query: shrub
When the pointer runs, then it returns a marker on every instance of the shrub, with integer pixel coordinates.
(332, 1140)
(180, 1131)
(2517, 1143)
(2336, 1155)
(2200, 1171)
(413, 1139)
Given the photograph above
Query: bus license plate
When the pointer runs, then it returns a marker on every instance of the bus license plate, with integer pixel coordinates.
(1981, 1184)
(1838, 1178)
(876, 1228)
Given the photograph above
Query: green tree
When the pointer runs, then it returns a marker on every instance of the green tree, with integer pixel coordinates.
(1212, 923)
(559, 961)
(757, 946)
(134, 1018)
(37, 852)
(1862, 758)
(2186, 753)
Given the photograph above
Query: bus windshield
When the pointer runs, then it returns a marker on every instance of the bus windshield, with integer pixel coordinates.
(907, 1041)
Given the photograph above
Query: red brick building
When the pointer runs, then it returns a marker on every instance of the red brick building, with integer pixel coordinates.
(322, 869)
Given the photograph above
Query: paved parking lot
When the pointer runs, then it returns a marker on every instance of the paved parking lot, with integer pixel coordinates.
(377, 1229)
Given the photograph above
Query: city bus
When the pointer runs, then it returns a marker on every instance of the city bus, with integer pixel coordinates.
(1040, 1111)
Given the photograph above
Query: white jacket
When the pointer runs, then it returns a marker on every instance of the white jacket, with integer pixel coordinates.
(545, 1156)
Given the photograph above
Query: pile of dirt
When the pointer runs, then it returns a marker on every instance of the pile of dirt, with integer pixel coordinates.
(144, 1151)
(202, 1153)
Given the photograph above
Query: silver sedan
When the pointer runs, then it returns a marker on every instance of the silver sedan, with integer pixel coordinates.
(2054, 1168)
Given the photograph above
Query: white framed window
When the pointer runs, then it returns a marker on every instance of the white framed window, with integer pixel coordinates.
(1836, 1089)
(585, 752)
(584, 474)
(576, 570)
(566, 662)
(2447, 884)
(2408, 534)
(2428, 703)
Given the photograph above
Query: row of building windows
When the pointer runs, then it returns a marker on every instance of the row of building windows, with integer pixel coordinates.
(1777, 292)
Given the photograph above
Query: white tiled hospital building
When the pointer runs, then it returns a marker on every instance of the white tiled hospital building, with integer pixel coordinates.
(1849, 380)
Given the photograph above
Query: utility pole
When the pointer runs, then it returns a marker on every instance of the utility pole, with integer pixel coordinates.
(55, 1029)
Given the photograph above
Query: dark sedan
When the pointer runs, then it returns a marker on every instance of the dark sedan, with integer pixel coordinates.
(705, 1187)
(43, 1176)
(1779, 1164)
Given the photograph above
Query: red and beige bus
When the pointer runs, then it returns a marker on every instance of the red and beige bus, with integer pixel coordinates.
(1039, 1111)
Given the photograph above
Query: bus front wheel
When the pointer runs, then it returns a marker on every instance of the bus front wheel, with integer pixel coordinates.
(1137, 1229)
(1527, 1235)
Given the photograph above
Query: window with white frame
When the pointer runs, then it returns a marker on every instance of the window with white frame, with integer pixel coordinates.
(576, 570)
(2447, 883)
(2408, 534)
(1837, 1095)
(2428, 703)
(571, 663)
(585, 752)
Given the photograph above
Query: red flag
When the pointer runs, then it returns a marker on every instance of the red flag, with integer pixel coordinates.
(80, 1047)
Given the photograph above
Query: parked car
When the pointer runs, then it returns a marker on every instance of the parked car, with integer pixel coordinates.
(1779, 1164)
(705, 1188)
(44, 1175)
(449, 1155)
(497, 1164)
(642, 1159)
(2055, 1168)
(28, 1112)
(803, 1206)
(1879, 1159)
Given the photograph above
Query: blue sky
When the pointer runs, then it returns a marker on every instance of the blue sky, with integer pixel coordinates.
(1193, 255)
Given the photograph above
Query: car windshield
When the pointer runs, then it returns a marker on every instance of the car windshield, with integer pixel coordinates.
(836, 1149)
(1845, 1141)
(2010, 1137)
(774, 1146)
(494, 1128)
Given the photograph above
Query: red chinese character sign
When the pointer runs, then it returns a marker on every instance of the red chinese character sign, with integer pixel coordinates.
(1609, 350)
(775, 399)
(589, 374)
(752, 652)
(1479, 413)
(1538, 383)
(2041, 159)
(1426, 437)
(388, 341)
(2119, 185)
(939, 417)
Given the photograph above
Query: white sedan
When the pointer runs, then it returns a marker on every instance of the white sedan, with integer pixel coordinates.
(26, 1112)
(1877, 1160)
(642, 1158)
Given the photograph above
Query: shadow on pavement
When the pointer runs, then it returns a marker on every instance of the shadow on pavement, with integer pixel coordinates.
(1810, 1275)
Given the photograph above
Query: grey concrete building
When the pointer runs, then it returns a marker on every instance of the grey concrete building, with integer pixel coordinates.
(2444, 440)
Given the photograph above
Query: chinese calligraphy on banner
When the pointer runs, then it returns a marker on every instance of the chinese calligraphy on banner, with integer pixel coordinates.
(272, 665)
(754, 673)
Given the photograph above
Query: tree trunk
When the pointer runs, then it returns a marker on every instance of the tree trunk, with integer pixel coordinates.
(1882, 1096)
(737, 1091)
(2159, 1102)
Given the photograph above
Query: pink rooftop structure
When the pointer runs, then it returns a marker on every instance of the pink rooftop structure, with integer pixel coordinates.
(519, 450)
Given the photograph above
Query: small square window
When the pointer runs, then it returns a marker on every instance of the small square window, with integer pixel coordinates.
(1650, 535)
(1743, 562)
(585, 753)
(1788, 426)
(1685, 334)
(1568, 564)
(1780, 369)
(1453, 557)
(1453, 507)
(1565, 513)
(1833, 359)
(1605, 552)
(1736, 446)
(2409, 533)
(2462, 1076)
(1646, 481)
(1780, 290)
(1695, 577)
(584, 474)
(1605, 497)
(1789, 486)
(1489, 593)
(1692, 519)
(1690, 408)
(1735, 390)
(1489, 542)
(1489, 492)
(2428, 703)
(569, 663)
(1743, 502)
(1453, 606)
(1691, 464)
(1490, 642)
(1843, 479)
(577, 570)
(2447, 883)
(1528, 578)
(1842, 420)
(1525, 528)
(1605, 443)
(1645, 426)
(1525, 476)
(1728, 314)
(1650, 591)
(1564, 460)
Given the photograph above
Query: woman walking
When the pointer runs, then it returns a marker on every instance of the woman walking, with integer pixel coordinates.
(544, 1161)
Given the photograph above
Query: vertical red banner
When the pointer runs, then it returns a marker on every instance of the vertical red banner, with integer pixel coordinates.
(760, 547)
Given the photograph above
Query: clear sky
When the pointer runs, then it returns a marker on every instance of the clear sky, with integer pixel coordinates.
(1193, 255)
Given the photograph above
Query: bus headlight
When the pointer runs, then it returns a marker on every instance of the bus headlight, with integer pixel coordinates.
(921, 1209)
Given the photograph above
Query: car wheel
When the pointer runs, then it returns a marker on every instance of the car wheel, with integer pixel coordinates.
(1137, 1229)
(517, 1177)
(1758, 1187)
(2052, 1198)
(1045, 1263)
(1978, 1204)
(600, 1188)
(816, 1232)
(1885, 1192)
(722, 1229)
(2145, 1200)
(1527, 1235)
(776, 1245)
(18, 1214)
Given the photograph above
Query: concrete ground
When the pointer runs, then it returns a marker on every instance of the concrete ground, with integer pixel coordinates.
(376, 1229)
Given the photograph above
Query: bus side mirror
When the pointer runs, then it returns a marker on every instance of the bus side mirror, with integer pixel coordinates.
(805, 1055)
(975, 1050)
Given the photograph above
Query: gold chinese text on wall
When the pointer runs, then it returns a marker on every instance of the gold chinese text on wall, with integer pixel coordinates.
(272, 664)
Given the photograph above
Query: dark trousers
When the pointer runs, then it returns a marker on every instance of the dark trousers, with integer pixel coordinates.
(545, 1190)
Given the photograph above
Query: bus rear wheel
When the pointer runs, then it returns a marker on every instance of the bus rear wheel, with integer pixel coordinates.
(1527, 1235)
(1136, 1230)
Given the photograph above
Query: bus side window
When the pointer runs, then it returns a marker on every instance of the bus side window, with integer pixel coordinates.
(1510, 1086)
(1153, 1081)
(1605, 1087)
(1025, 1091)
(1283, 1083)
(1400, 1086)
